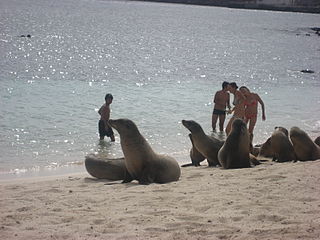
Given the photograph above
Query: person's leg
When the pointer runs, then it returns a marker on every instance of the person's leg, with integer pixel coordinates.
(252, 124)
(101, 129)
(228, 128)
(222, 118)
(214, 121)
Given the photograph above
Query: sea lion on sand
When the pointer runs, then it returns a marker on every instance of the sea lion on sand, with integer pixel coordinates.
(304, 147)
(317, 141)
(281, 146)
(105, 168)
(142, 163)
(206, 145)
(195, 156)
(266, 149)
(235, 152)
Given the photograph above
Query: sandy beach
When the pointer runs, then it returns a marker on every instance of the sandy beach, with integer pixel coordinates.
(269, 201)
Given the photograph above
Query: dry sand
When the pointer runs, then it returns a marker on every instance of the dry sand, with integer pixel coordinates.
(270, 201)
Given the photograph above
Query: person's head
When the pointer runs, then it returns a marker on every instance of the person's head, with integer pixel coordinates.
(244, 90)
(108, 98)
(225, 85)
(233, 87)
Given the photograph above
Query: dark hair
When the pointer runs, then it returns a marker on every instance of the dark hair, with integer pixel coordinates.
(108, 96)
(244, 87)
(234, 85)
(225, 84)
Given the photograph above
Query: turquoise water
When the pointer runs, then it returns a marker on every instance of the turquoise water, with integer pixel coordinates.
(162, 62)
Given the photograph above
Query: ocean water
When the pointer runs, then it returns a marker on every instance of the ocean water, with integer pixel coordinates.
(162, 63)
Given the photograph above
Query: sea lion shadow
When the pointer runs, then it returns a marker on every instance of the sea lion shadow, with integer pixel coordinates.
(95, 180)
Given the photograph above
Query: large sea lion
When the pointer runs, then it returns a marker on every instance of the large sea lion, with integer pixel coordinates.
(206, 145)
(235, 152)
(281, 146)
(195, 156)
(105, 168)
(142, 163)
(304, 147)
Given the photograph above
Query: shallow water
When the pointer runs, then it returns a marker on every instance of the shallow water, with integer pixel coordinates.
(162, 62)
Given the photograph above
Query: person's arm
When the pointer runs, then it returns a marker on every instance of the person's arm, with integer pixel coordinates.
(228, 102)
(100, 110)
(216, 96)
(262, 106)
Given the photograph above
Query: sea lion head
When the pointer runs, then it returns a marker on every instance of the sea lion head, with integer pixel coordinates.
(192, 126)
(124, 126)
(238, 125)
(282, 129)
(298, 135)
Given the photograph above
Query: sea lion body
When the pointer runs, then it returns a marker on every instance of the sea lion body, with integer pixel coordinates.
(207, 146)
(142, 163)
(305, 149)
(235, 152)
(281, 146)
(105, 168)
(195, 156)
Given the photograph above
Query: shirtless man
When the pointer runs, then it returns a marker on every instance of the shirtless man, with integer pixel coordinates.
(221, 100)
(104, 111)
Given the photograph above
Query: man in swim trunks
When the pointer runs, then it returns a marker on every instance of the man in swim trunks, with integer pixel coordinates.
(104, 111)
(221, 100)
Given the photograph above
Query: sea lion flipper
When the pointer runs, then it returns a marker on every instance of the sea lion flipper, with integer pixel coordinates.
(128, 178)
(147, 176)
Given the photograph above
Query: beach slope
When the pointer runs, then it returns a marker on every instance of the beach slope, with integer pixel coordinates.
(270, 201)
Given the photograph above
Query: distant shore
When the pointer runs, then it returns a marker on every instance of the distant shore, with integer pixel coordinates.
(239, 5)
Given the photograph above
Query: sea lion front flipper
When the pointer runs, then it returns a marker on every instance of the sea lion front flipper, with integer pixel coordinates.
(127, 178)
(147, 176)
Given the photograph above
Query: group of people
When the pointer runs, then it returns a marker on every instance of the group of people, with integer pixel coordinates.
(245, 107)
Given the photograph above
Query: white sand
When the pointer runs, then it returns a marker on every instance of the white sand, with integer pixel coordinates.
(271, 201)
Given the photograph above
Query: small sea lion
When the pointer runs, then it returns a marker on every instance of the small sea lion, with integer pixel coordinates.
(304, 147)
(281, 146)
(317, 141)
(208, 146)
(142, 163)
(195, 156)
(235, 152)
(105, 168)
(266, 149)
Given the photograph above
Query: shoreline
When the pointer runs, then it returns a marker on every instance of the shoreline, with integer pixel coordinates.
(269, 201)
(235, 5)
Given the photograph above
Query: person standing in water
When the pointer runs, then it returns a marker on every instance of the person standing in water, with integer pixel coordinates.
(104, 111)
(238, 102)
(251, 108)
(221, 101)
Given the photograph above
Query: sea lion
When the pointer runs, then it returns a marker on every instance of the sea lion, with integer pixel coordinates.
(304, 147)
(206, 145)
(317, 141)
(266, 149)
(235, 152)
(105, 168)
(195, 156)
(142, 163)
(281, 146)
